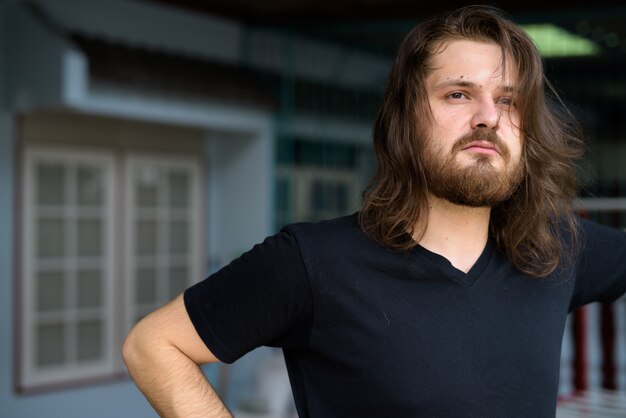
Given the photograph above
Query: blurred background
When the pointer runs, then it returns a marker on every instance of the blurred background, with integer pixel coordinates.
(144, 144)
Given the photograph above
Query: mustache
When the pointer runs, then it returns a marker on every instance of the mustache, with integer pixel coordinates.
(486, 136)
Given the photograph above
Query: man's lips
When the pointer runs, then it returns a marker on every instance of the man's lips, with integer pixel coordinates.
(482, 147)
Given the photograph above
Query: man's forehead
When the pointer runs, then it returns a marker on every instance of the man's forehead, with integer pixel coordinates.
(460, 82)
(470, 61)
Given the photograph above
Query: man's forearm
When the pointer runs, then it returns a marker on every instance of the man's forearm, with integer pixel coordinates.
(174, 385)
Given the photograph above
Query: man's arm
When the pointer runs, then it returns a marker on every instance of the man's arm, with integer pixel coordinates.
(162, 353)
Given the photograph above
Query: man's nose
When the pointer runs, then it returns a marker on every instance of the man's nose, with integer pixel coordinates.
(486, 115)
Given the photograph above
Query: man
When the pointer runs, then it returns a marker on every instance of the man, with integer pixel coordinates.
(447, 294)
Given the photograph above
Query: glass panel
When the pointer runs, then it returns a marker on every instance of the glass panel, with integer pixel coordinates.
(145, 291)
(146, 237)
(178, 281)
(179, 237)
(50, 291)
(50, 345)
(89, 186)
(89, 237)
(146, 181)
(179, 189)
(89, 289)
(51, 184)
(89, 340)
(51, 238)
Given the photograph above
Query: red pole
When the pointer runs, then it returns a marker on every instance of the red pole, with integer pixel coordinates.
(607, 332)
(579, 334)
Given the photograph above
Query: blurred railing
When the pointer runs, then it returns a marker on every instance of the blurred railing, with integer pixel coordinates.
(596, 339)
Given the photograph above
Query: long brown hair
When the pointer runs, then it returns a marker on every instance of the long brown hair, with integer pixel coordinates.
(528, 226)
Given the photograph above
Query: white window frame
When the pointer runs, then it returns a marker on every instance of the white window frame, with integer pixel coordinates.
(118, 244)
(192, 166)
(30, 375)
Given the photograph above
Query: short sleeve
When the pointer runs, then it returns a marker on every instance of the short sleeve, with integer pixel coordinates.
(260, 298)
(601, 266)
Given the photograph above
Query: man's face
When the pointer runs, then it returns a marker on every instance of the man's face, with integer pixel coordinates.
(472, 156)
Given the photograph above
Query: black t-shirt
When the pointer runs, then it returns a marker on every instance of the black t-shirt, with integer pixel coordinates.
(370, 332)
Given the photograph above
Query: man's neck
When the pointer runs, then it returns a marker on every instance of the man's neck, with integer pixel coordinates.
(458, 233)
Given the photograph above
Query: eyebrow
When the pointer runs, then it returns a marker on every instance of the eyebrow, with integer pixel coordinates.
(464, 83)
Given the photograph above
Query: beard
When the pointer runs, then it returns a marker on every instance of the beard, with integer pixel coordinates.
(478, 184)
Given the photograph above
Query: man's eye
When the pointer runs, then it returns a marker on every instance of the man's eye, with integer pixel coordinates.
(456, 95)
(506, 101)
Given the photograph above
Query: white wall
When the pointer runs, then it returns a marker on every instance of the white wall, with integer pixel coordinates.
(6, 222)
(241, 190)
(6, 255)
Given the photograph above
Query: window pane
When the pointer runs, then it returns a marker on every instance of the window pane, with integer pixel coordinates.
(50, 291)
(145, 291)
(89, 186)
(89, 289)
(179, 236)
(89, 340)
(51, 184)
(178, 281)
(146, 181)
(50, 345)
(89, 237)
(146, 237)
(179, 189)
(51, 238)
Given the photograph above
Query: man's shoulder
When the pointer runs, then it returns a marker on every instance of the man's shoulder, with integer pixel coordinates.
(332, 233)
(596, 232)
(342, 224)
(593, 226)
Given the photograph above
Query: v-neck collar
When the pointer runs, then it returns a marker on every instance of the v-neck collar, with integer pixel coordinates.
(468, 279)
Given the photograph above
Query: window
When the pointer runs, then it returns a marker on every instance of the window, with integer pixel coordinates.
(315, 193)
(161, 207)
(318, 179)
(108, 236)
(68, 265)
